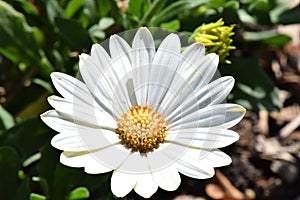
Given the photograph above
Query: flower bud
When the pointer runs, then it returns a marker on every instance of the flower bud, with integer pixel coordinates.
(216, 38)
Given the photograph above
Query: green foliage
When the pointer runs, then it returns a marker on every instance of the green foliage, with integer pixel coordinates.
(10, 164)
(6, 119)
(253, 89)
(291, 16)
(79, 193)
(39, 37)
(270, 37)
(17, 36)
(66, 27)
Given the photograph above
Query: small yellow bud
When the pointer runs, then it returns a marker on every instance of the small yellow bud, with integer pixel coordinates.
(216, 38)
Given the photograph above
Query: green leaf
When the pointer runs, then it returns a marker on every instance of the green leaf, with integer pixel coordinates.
(22, 135)
(6, 119)
(174, 9)
(61, 179)
(53, 10)
(281, 7)
(79, 193)
(23, 189)
(90, 10)
(73, 33)
(271, 37)
(28, 7)
(291, 16)
(230, 12)
(34, 196)
(154, 8)
(216, 3)
(246, 17)
(72, 7)
(253, 89)
(278, 40)
(104, 7)
(173, 25)
(9, 167)
(33, 158)
(261, 5)
(97, 31)
(49, 160)
(96, 34)
(44, 84)
(135, 7)
(261, 35)
(260, 9)
(105, 23)
(17, 41)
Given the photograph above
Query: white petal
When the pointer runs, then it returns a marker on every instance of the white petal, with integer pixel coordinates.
(143, 51)
(101, 58)
(162, 72)
(145, 186)
(188, 164)
(61, 123)
(81, 112)
(121, 70)
(209, 138)
(201, 72)
(92, 69)
(89, 140)
(136, 163)
(216, 157)
(220, 115)
(213, 93)
(167, 178)
(120, 53)
(102, 84)
(169, 48)
(122, 183)
(119, 47)
(192, 53)
(111, 85)
(191, 77)
(143, 48)
(71, 88)
(158, 160)
(91, 166)
(109, 157)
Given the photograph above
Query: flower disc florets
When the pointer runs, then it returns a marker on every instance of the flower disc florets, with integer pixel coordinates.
(141, 129)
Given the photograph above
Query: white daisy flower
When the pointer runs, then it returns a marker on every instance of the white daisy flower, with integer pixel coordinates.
(144, 113)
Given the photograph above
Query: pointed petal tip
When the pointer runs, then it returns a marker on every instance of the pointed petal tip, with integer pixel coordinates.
(144, 28)
(229, 162)
(231, 78)
(50, 98)
(44, 114)
(84, 56)
(144, 31)
(213, 56)
(211, 174)
(53, 75)
(237, 136)
(239, 109)
(58, 76)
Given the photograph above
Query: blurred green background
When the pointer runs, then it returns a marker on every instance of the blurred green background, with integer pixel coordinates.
(38, 37)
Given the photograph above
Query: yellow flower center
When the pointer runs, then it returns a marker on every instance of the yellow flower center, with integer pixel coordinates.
(141, 129)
